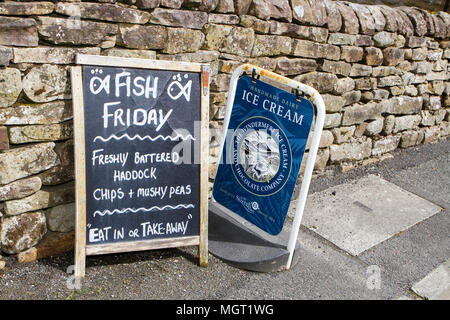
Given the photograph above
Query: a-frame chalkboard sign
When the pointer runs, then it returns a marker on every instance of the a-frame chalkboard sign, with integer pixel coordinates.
(141, 155)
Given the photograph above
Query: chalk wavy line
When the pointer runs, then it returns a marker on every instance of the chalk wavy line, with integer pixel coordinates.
(108, 212)
(113, 136)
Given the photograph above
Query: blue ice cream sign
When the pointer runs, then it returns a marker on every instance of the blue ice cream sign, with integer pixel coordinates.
(263, 150)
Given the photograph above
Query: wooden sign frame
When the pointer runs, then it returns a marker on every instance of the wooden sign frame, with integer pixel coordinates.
(81, 249)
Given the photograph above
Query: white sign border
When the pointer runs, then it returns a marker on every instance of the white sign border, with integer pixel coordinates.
(319, 105)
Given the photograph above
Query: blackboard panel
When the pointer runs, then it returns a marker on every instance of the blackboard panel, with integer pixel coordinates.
(134, 190)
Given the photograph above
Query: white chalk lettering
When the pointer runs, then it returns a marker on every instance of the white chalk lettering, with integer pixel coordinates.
(179, 190)
(136, 117)
(123, 84)
(142, 158)
(176, 227)
(152, 192)
(108, 194)
(128, 175)
(99, 234)
(149, 229)
(98, 158)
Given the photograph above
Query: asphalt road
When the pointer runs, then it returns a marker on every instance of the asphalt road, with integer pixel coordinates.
(323, 272)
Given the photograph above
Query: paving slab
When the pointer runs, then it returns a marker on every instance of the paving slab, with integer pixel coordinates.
(359, 215)
(436, 285)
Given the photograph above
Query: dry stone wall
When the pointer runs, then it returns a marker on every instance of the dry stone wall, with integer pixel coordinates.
(383, 73)
(434, 5)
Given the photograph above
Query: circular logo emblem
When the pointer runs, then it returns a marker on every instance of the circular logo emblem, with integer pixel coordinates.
(262, 156)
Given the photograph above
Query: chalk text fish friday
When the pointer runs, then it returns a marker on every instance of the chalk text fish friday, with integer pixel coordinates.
(124, 85)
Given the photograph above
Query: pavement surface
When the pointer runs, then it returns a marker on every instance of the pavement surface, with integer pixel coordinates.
(411, 261)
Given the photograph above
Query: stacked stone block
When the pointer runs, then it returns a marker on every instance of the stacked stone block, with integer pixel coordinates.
(383, 73)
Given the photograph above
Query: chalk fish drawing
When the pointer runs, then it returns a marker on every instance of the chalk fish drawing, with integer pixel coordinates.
(179, 90)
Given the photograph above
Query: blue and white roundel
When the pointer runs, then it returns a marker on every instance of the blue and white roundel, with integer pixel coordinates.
(262, 156)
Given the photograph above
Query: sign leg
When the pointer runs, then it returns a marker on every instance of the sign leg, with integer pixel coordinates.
(203, 245)
(80, 172)
(80, 263)
(204, 153)
(203, 253)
